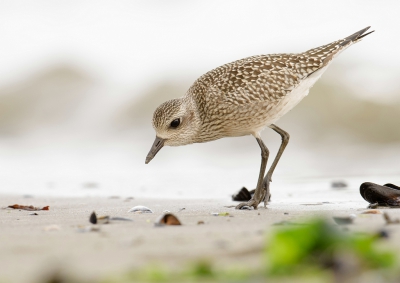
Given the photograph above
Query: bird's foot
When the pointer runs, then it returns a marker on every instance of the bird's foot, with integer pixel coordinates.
(251, 204)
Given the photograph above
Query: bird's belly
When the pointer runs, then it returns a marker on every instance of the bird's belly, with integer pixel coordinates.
(293, 98)
(267, 113)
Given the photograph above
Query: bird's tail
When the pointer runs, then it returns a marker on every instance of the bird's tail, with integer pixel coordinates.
(355, 36)
(324, 54)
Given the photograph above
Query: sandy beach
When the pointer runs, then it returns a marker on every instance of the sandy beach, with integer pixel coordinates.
(32, 247)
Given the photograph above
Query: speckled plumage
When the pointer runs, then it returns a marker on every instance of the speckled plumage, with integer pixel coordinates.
(245, 96)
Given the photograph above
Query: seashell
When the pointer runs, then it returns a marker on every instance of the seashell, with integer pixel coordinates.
(140, 209)
(387, 195)
(93, 218)
(200, 222)
(167, 219)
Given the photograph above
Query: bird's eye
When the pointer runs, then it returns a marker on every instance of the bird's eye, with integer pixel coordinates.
(175, 123)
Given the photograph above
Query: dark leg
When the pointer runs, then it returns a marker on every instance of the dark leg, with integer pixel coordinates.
(259, 194)
(285, 140)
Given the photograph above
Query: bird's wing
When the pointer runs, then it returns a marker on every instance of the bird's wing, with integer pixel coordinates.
(250, 80)
(266, 77)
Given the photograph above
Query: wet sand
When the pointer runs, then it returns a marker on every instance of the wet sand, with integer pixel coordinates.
(34, 246)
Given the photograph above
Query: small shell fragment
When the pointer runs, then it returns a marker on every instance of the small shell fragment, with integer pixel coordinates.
(140, 209)
(246, 207)
(167, 219)
(220, 213)
(372, 211)
(94, 219)
(200, 222)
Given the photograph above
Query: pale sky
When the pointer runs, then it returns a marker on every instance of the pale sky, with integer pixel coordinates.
(136, 43)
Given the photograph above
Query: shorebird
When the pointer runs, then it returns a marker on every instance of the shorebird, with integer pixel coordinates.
(242, 98)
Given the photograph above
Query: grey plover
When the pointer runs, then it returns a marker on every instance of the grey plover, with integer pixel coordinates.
(242, 98)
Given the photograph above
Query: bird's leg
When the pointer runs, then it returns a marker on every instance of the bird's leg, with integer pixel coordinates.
(285, 140)
(259, 194)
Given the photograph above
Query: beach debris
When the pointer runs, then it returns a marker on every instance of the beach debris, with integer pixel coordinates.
(246, 207)
(286, 213)
(94, 219)
(27, 207)
(34, 213)
(220, 213)
(140, 209)
(346, 220)
(338, 185)
(372, 211)
(180, 209)
(243, 195)
(167, 219)
(52, 228)
(200, 222)
(389, 220)
(377, 195)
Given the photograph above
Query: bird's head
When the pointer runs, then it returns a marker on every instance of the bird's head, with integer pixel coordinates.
(175, 123)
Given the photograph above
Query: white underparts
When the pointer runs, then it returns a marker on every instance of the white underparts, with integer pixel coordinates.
(297, 94)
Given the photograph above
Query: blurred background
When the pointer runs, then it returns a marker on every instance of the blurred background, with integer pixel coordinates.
(79, 81)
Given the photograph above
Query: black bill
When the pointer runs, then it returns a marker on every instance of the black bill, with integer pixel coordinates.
(157, 145)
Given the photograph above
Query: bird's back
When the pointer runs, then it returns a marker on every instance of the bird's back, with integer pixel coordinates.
(267, 77)
(261, 81)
